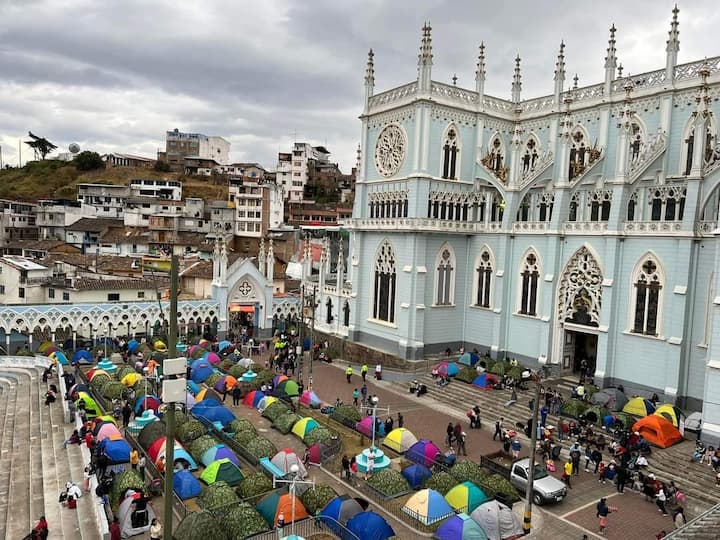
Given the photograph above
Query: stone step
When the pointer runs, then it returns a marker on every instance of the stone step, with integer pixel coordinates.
(9, 398)
(37, 435)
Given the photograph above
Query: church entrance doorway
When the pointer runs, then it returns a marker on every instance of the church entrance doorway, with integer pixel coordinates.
(579, 345)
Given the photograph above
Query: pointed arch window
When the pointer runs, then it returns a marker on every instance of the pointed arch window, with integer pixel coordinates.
(445, 282)
(578, 154)
(530, 156)
(346, 313)
(329, 311)
(523, 213)
(546, 206)
(648, 286)
(385, 282)
(632, 207)
(636, 141)
(529, 278)
(451, 149)
(484, 279)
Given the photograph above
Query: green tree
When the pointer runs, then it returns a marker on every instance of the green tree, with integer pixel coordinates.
(88, 161)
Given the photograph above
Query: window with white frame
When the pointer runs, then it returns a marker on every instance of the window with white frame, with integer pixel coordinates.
(445, 283)
(385, 283)
(484, 271)
(529, 277)
(647, 296)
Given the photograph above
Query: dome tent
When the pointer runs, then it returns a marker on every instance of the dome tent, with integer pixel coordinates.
(134, 515)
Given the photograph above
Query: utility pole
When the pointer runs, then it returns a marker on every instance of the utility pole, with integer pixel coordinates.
(170, 411)
(312, 334)
(300, 349)
(527, 519)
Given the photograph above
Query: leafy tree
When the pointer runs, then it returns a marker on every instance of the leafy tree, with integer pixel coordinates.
(88, 161)
(40, 145)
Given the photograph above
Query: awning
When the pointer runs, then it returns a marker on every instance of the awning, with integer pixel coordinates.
(238, 308)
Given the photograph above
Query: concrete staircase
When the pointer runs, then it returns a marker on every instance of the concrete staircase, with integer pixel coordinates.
(704, 527)
(8, 400)
(695, 480)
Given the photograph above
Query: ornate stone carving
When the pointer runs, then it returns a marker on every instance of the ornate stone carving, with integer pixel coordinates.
(390, 151)
(580, 294)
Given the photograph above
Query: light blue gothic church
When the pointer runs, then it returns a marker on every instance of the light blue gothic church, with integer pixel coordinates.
(581, 224)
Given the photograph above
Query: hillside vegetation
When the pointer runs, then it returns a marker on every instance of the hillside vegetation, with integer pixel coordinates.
(53, 179)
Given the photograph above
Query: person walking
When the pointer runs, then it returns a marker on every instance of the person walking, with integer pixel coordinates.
(461, 451)
(575, 457)
(400, 420)
(543, 415)
(567, 472)
(349, 373)
(515, 447)
(603, 510)
(679, 518)
(236, 393)
(660, 499)
(450, 431)
(498, 428)
(126, 412)
(364, 371)
(363, 393)
(156, 530)
(134, 458)
(346, 467)
(561, 428)
(621, 479)
(356, 396)
(141, 466)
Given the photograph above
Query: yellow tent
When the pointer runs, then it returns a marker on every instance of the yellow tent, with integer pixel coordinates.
(99, 372)
(131, 379)
(670, 413)
(638, 406)
(160, 346)
(400, 440)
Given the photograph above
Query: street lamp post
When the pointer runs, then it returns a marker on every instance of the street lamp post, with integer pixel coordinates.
(527, 519)
(294, 470)
(375, 400)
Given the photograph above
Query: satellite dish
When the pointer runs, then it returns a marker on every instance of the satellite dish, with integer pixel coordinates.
(74, 148)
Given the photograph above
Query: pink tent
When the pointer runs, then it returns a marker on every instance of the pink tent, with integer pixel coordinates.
(310, 399)
(107, 430)
(213, 358)
(365, 426)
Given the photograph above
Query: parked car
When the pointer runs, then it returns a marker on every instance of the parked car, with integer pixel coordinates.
(546, 488)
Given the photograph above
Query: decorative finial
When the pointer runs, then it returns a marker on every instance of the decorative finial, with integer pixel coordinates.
(370, 69)
(517, 84)
(560, 64)
(673, 42)
(425, 56)
(454, 79)
(480, 70)
(610, 59)
(575, 81)
(620, 70)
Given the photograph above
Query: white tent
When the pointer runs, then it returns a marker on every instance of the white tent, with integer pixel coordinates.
(497, 520)
(134, 520)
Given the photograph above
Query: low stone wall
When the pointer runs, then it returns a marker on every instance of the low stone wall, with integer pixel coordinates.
(356, 353)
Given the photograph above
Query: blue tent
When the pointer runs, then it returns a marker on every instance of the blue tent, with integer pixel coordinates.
(416, 474)
(460, 527)
(60, 357)
(370, 526)
(117, 451)
(339, 511)
(213, 413)
(133, 345)
(224, 345)
(468, 359)
(484, 381)
(185, 485)
(200, 370)
(82, 356)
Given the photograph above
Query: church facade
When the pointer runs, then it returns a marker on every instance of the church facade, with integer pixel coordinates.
(578, 225)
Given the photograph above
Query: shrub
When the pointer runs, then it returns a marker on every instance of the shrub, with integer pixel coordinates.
(284, 423)
(346, 415)
(389, 482)
(495, 484)
(199, 526)
(252, 486)
(243, 521)
(121, 483)
(236, 370)
(212, 379)
(98, 381)
(241, 424)
(441, 482)
(466, 374)
(225, 365)
(317, 497)
(123, 371)
(260, 447)
(190, 431)
(573, 407)
(515, 372)
(216, 496)
(244, 437)
(180, 418)
(467, 470)
(498, 369)
(150, 433)
(198, 447)
(321, 435)
(265, 376)
(275, 410)
(113, 390)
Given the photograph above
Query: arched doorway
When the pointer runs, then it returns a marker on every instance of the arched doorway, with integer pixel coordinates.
(578, 316)
(245, 304)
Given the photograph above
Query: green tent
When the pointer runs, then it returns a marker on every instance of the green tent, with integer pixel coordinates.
(222, 469)
(289, 387)
(91, 407)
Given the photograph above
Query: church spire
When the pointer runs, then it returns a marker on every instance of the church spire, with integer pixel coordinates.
(610, 61)
(559, 74)
(673, 46)
(480, 73)
(425, 60)
(369, 78)
(516, 85)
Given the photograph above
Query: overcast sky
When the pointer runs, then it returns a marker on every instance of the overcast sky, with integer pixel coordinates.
(114, 75)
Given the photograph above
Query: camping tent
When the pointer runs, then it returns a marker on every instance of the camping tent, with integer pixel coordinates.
(638, 406)
(671, 413)
(460, 527)
(91, 408)
(185, 485)
(276, 502)
(416, 474)
(148, 402)
(658, 430)
(212, 413)
(219, 451)
(285, 459)
(107, 430)
(612, 398)
(498, 521)
(310, 399)
(485, 381)
(222, 469)
(134, 515)
(82, 357)
(341, 509)
(427, 506)
(694, 421)
(252, 398)
(365, 426)
(156, 450)
(116, 449)
(424, 452)
(288, 387)
(370, 526)
(206, 394)
(200, 370)
(400, 440)
(468, 359)
(447, 369)
(315, 452)
(466, 497)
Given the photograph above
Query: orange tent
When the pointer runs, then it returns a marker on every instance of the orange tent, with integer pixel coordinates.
(658, 430)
